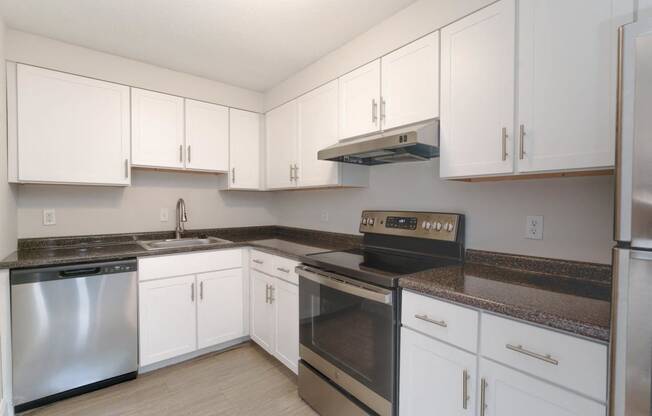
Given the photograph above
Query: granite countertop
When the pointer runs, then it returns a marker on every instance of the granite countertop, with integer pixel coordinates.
(576, 301)
(289, 242)
(564, 295)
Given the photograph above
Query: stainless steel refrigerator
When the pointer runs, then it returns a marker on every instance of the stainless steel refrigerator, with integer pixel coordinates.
(631, 368)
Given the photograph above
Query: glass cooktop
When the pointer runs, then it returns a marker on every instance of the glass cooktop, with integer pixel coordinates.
(376, 265)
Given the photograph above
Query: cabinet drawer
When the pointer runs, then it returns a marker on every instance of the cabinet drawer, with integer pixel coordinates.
(284, 269)
(150, 268)
(450, 323)
(261, 261)
(572, 362)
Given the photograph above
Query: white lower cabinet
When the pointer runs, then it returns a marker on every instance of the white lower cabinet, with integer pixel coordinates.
(275, 309)
(285, 298)
(167, 318)
(510, 393)
(262, 311)
(435, 378)
(182, 314)
(220, 309)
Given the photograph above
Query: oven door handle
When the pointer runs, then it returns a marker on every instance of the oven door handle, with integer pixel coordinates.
(381, 295)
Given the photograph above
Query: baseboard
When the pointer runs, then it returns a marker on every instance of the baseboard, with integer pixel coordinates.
(176, 360)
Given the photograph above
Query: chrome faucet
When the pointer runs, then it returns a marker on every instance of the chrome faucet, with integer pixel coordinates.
(181, 217)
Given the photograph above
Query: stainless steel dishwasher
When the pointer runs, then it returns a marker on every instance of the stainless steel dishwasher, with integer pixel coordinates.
(74, 329)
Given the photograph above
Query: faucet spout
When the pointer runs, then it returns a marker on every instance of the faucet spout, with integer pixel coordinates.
(182, 217)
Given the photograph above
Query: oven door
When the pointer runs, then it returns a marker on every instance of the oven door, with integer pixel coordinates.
(348, 333)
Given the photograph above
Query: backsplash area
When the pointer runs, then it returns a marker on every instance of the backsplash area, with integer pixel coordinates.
(495, 211)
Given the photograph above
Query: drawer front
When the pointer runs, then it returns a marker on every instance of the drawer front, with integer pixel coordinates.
(442, 320)
(261, 261)
(284, 269)
(572, 362)
(150, 268)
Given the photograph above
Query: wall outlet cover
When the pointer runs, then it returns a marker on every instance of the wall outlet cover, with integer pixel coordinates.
(164, 215)
(324, 216)
(49, 216)
(534, 227)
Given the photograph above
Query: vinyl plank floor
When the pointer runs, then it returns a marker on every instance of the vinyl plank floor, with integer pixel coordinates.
(241, 381)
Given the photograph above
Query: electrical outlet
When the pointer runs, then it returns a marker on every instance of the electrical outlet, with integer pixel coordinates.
(164, 215)
(324, 216)
(49, 217)
(534, 227)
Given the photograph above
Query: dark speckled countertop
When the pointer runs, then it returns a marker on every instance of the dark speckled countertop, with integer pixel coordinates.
(576, 300)
(565, 295)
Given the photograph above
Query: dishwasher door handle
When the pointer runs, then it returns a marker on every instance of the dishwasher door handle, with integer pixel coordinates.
(89, 271)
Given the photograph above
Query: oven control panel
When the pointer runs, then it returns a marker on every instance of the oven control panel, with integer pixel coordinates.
(431, 225)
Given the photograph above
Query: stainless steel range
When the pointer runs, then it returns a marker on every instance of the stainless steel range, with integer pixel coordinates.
(349, 306)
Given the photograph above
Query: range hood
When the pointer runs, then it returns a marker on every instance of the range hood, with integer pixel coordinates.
(406, 144)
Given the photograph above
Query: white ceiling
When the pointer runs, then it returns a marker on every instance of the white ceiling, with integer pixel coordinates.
(249, 43)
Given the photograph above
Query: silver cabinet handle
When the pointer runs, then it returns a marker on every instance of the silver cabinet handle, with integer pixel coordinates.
(188, 156)
(192, 292)
(232, 175)
(519, 348)
(201, 290)
(374, 111)
(271, 294)
(266, 293)
(504, 143)
(383, 105)
(291, 170)
(180, 153)
(258, 261)
(432, 321)
(521, 142)
(126, 168)
(281, 269)
(296, 172)
(465, 390)
(483, 397)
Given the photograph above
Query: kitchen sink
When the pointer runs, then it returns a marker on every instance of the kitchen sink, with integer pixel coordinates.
(181, 243)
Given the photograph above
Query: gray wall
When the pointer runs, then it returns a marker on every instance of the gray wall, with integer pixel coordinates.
(578, 212)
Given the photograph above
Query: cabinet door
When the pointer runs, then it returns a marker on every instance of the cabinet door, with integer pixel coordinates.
(410, 83)
(244, 139)
(167, 318)
(435, 377)
(262, 311)
(567, 84)
(281, 126)
(207, 136)
(157, 129)
(285, 298)
(317, 130)
(477, 93)
(219, 309)
(511, 393)
(359, 98)
(71, 129)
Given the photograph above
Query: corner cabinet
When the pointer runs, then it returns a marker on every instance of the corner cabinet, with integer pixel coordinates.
(477, 93)
(565, 80)
(64, 128)
(281, 140)
(244, 150)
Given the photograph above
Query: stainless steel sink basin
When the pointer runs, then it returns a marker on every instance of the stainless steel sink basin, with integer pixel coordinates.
(181, 242)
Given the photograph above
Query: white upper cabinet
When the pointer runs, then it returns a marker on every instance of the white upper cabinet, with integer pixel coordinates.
(410, 83)
(567, 83)
(207, 136)
(220, 309)
(281, 127)
(511, 393)
(317, 130)
(245, 160)
(359, 97)
(477, 93)
(157, 129)
(67, 129)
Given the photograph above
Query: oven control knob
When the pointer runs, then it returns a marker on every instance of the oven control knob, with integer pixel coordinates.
(428, 225)
(371, 221)
(448, 226)
(364, 221)
(437, 226)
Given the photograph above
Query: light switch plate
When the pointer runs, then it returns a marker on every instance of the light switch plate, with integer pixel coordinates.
(534, 227)
(324, 216)
(164, 215)
(49, 216)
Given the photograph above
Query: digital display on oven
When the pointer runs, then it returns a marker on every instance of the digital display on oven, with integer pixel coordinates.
(403, 223)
